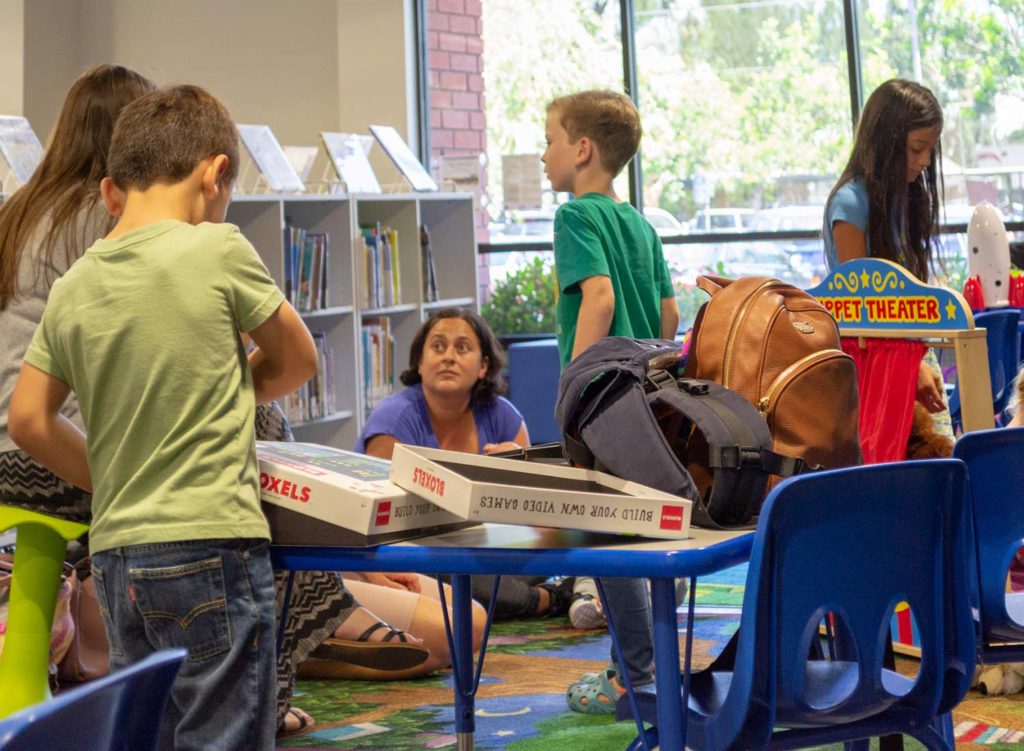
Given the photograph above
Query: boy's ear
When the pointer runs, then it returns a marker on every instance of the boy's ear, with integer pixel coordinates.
(584, 151)
(113, 197)
(213, 175)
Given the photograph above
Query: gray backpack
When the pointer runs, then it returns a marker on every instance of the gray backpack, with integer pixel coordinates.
(625, 408)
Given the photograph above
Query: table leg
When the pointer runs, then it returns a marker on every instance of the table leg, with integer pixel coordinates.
(671, 697)
(462, 661)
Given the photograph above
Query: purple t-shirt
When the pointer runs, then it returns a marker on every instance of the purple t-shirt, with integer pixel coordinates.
(404, 417)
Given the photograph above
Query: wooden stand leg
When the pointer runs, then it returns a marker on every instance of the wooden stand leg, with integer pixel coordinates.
(974, 380)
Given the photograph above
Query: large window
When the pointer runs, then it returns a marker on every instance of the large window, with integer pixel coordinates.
(971, 54)
(747, 111)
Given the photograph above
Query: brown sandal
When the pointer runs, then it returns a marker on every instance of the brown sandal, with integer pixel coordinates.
(393, 652)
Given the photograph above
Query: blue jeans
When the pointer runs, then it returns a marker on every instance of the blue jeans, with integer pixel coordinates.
(216, 599)
(630, 607)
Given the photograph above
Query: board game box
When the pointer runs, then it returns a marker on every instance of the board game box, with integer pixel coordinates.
(512, 491)
(318, 495)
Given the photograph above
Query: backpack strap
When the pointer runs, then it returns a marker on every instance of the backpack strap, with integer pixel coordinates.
(734, 447)
(738, 448)
(606, 370)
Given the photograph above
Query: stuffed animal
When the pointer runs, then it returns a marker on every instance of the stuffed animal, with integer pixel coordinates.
(925, 442)
(994, 680)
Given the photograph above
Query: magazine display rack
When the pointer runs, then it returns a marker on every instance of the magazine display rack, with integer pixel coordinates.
(358, 373)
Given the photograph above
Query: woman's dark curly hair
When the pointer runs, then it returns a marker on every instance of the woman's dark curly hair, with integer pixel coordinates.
(486, 389)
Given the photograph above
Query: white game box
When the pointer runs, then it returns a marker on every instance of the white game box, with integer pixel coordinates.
(318, 495)
(512, 491)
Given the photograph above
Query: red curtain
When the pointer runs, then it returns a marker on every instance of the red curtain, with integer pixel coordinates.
(887, 372)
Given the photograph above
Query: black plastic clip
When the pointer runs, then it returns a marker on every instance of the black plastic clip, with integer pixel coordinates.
(659, 379)
(694, 387)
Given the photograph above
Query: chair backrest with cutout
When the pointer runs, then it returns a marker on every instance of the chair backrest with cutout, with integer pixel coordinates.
(1003, 342)
(856, 542)
(119, 711)
(995, 464)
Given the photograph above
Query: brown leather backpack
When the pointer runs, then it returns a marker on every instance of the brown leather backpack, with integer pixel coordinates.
(779, 348)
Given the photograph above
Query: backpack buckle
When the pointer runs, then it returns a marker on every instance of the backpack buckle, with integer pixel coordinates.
(659, 379)
(733, 457)
(694, 387)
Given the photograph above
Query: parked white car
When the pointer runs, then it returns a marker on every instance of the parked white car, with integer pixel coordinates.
(663, 222)
(722, 220)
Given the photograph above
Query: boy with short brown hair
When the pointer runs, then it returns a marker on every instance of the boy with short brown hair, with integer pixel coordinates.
(146, 329)
(612, 281)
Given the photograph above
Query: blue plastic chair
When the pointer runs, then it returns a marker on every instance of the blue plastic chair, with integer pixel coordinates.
(995, 464)
(853, 542)
(120, 711)
(1003, 358)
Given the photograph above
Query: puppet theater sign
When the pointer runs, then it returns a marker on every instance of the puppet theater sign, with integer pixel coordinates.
(872, 294)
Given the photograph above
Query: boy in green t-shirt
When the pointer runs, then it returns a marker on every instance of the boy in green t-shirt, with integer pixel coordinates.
(612, 281)
(146, 330)
(612, 276)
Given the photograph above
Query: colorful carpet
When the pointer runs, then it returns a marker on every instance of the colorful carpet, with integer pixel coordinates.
(521, 699)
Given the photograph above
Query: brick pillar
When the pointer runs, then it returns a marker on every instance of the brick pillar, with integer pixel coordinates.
(455, 64)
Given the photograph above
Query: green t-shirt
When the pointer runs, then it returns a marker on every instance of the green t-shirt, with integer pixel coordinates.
(595, 236)
(144, 328)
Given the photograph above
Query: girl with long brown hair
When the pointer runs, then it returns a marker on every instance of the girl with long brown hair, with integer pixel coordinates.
(886, 202)
(44, 227)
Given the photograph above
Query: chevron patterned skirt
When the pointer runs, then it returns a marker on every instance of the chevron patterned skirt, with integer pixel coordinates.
(26, 483)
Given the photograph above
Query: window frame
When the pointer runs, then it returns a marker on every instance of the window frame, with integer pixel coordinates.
(851, 23)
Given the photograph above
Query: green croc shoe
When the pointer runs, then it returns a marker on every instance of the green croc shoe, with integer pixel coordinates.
(594, 693)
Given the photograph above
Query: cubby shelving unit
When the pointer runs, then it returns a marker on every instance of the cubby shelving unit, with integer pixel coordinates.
(449, 220)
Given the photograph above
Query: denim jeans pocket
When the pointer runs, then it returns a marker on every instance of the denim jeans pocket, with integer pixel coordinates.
(100, 581)
(185, 606)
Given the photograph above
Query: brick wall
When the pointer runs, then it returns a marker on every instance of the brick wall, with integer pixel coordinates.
(455, 64)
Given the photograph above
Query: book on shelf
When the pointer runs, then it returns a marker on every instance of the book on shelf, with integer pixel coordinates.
(269, 158)
(429, 270)
(401, 155)
(305, 264)
(380, 253)
(301, 158)
(378, 361)
(315, 399)
(395, 279)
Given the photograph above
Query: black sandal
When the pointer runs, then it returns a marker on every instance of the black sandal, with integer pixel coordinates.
(393, 652)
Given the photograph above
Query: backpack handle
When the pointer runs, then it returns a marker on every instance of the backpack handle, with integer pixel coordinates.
(713, 284)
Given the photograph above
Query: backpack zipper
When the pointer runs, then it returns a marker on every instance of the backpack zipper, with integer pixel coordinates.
(726, 367)
(764, 402)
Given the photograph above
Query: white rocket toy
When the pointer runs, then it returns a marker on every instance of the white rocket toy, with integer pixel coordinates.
(988, 255)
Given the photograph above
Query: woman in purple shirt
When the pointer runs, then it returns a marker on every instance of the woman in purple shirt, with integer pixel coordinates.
(454, 397)
(453, 402)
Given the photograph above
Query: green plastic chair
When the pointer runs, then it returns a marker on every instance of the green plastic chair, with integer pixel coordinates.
(38, 560)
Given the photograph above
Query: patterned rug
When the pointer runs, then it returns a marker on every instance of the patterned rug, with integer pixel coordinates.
(521, 699)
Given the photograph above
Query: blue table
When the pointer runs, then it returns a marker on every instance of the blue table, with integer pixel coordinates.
(506, 549)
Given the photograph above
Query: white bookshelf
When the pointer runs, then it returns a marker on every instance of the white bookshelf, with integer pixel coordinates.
(449, 219)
